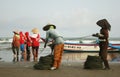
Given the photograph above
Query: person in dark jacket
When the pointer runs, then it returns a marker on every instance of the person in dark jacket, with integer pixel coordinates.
(103, 40)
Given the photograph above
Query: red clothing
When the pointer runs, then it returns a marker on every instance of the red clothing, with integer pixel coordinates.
(28, 39)
(35, 40)
(22, 38)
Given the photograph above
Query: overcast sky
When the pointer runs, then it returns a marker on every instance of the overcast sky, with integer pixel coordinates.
(73, 18)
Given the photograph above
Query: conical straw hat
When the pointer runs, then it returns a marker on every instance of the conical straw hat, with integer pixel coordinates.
(16, 32)
(35, 30)
(104, 24)
(46, 27)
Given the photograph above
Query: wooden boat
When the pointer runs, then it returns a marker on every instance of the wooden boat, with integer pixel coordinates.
(89, 47)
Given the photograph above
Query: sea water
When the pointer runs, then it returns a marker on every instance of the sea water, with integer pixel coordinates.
(6, 53)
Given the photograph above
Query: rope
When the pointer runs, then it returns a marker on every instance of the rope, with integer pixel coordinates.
(79, 37)
(85, 36)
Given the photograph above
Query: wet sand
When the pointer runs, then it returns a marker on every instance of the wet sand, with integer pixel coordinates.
(67, 69)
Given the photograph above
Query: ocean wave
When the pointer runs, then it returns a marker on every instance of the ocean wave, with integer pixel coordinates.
(7, 48)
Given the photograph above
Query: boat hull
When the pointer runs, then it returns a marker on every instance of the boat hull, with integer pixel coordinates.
(86, 47)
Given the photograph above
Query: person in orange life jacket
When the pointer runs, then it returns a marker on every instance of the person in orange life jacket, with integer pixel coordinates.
(16, 45)
(58, 42)
(28, 45)
(35, 43)
(103, 40)
(22, 46)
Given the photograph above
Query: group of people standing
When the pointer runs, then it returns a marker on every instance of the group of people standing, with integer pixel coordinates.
(24, 42)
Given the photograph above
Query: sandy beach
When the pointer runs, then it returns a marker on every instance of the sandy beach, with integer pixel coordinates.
(67, 69)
